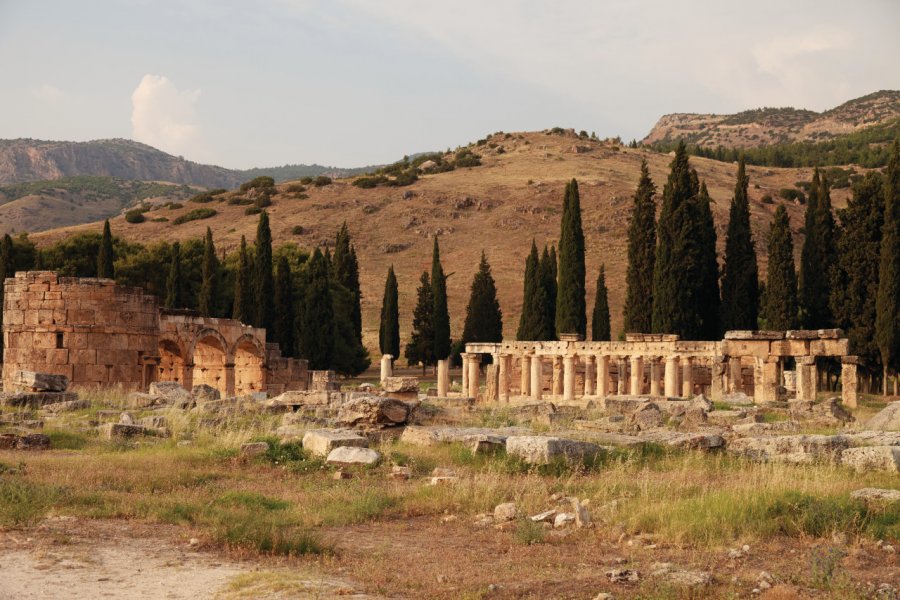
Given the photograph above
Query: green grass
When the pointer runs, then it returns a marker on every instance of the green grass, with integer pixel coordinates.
(23, 502)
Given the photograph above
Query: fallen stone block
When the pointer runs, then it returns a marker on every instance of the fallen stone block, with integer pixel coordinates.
(623, 405)
(253, 449)
(143, 400)
(122, 430)
(563, 519)
(873, 438)
(685, 440)
(582, 516)
(205, 393)
(320, 442)
(829, 411)
(757, 429)
(801, 449)
(430, 436)
(546, 516)
(173, 392)
(876, 495)
(153, 422)
(373, 411)
(400, 384)
(648, 416)
(538, 449)
(872, 458)
(350, 455)
(290, 433)
(680, 577)
(505, 512)
(36, 399)
(26, 441)
(887, 419)
(737, 399)
(33, 381)
(303, 398)
(67, 406)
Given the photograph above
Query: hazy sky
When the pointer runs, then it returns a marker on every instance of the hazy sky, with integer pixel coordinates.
(356, 82)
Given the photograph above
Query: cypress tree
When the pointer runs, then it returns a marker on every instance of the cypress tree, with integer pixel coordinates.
(780, 299)
(856, 281)
(6, 269)
(346, 272)
(389, 331)
(740, 275)
(638, 310)
(600, 329)
(420, 348)
(484, 319)
(317, 325)
(285, 312)
(263, 297)
(349, 356)
(529, 320)
(887, 304)
(105, 256)
(817, 257)
(571, 316)
(441, 315)
(243, 286)
(545, 301)
(174, 284)
(706, 294)
(210, 274)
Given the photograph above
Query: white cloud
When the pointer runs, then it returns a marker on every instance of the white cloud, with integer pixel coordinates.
(164, 117)
(47, 91)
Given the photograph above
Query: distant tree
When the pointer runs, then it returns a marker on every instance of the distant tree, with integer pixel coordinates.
(209, 289)
(706, 295)
(570, 296)
(887, 304)
(243, 287)
(600, 328)
(264, 284)
(420, 348)
(740, 276)
(285, 311)
(106, 257)
(389, 330)
(530, 317)
(484, 319)
(441, 314)
(780, 300)
(349, 356)
(174, 283)
(855, 287)
(317, 335)
(545, 302)
(346, 272)
(638, 310)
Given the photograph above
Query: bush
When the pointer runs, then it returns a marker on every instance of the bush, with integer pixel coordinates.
(252, 210)
(135, 216)
(322, 180)
(466, 158)
(207, 196)
(239, 201)
(196, 215)
(295, 188)
(262, 201)
(369, 182)
(160, 220)
(767, 199)
(301, 196)
(297, 230)
(306, 180)
(174, 205)
(792, 194)
(263, 181)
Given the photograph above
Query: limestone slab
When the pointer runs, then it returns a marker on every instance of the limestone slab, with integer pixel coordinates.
(320, 442)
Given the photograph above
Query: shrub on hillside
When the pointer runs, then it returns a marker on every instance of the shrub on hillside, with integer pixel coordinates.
(135, 216)
(322, 180)
(195, 215)
(263, 181)
(207, 196)
(792, 194)
(252, 210)
(295, 188)
(297, 230)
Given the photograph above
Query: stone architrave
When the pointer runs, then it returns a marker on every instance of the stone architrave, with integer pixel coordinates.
(671, 377)
(589, 377)
(849, 381)
(637, 375)
(687, 377)
(536, 377)
(568, 377)
(386, 367)
(603, 376)
(654, 376)
(443, 378)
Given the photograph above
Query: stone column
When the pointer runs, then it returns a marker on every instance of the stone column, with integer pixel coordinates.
(637, 375)
(491, 382)
(187, 376)
(765, 388)
(503, 378)
(525, 376)
(386, 366)
(536, 377)
(229, 380)
(602, 376)
(654, 376)
(621, 381)
(806, 378)
(849, 382)
(443, 378)
(734, 375)
(568, 377)
(465, 373)
(687, 377)
(718, 368)
(557, 383)
(589, 376)
(671, 377)
(474, 365)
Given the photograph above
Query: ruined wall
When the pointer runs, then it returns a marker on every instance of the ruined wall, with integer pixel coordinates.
(90, 330)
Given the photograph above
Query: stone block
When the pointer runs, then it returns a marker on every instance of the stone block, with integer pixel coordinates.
(538, 449)
(872, 458)
(173, 392)
(253, 449)
(205, 393)
(320, 442)
(123, 430)
(373, 411)
(350, 455)
(876, 495)
(400, 384)
(67, 405)
(41, 382)
(802, 449)
(887, 419)
(36, 399)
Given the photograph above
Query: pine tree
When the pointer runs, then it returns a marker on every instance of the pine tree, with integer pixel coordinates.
(887, 304)
(346, 272)
(817, 257)
(600, 328)
(571, 315)
(855, 287)
(174, 284)
(545, 301)
(7, 269)
(706, 295)
(105, 256)
(780, 299)
(740, 275)
(243, 286)
(263, 297)
(441, 315)
(389, 331)
(420, 348)
(285, 312)
(484, 319)
(210, 274)
(317, 327)
(529, 319)
(638, 310)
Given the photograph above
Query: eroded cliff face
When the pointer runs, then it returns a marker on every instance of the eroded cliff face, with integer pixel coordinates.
(34, 160)
(764, 126)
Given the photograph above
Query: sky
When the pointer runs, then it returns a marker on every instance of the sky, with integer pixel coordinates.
(358, 82)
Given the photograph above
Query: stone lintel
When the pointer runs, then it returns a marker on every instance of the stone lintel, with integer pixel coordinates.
(850, 360)
(754, 335)
(651, 337)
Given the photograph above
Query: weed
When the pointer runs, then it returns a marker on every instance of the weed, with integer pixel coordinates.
(528, 532)
(823, 563)
(23, 502)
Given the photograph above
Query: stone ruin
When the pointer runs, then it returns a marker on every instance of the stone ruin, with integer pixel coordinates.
(97, 333)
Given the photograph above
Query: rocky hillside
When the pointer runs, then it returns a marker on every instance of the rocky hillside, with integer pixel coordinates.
(764, 126)
(514, 196)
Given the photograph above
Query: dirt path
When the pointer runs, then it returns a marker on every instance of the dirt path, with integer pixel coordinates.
(65, 558)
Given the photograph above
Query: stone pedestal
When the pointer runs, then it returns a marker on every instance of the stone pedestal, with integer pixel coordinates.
(637, 375)
(503, 378)
(654, 376)
(603, 376)
(621, 376)
(386, 367)
(525, 376)
(443, 378)
(568, 377)
(671, 377)
(849, 382)
(536, 383)
(806, 378)
(687, 377)
(589, 376)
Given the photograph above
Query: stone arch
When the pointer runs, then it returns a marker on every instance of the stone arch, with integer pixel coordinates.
(249, 365)
(211, 360)
(174, 361)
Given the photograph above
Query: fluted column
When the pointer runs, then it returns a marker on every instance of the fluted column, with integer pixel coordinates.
(637, 375)
(603, 376)
(671, 376)
(589, 368)
(568, 362)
